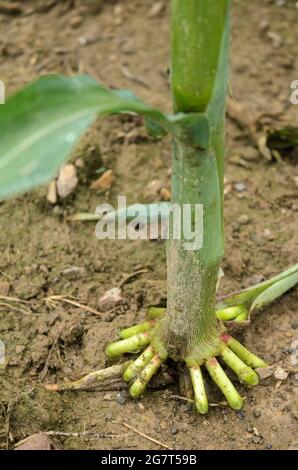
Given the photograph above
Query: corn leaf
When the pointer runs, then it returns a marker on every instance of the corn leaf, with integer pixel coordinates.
(256, 297)
(40, 124)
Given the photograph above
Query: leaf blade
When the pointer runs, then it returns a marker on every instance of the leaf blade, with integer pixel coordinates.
(41, 123)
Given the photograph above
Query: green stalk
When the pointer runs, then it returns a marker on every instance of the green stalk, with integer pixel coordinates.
(199, 83)
(192, 274)
(196, 28)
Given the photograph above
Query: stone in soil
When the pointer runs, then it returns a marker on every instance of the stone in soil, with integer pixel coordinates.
(121, 398)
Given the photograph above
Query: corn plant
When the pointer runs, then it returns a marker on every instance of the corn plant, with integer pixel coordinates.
(41, 123)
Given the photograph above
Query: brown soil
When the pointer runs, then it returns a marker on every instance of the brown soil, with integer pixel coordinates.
(38, 244)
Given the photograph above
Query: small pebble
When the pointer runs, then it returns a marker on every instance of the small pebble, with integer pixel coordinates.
(79, 163)
(52, 192)
(268, 446)
(187, 407)
(165, 194)
(240, 415)
(225, 418)
(110, 299)
(109, 417)
(275, 38)
(264, 25)
(243, 219)
(73, 273)
(152, 190)
(82, 40)
(156, 9)
(256, 413)
(118, 10)
(28, 270)
(20, 348)
(280, 373)
(163, 425)
(67, 179)
(57, 210)
(265, 372)
(268, 234)
(4, 288)
(174, 430)
(240, 186)
(289, 350)
(257, 439)
(121, 398)
(76, 22)
(44, 269)
(52, 317)
(104, 182)
(250, 154)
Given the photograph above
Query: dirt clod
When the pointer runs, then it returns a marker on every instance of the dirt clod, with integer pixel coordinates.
(110, 299)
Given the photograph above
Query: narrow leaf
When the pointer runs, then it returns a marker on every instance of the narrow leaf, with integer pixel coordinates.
(154, 213)
(261, 294)
(274, 291)
(41, 123)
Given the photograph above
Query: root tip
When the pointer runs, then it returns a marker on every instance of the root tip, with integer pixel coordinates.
(225, 338)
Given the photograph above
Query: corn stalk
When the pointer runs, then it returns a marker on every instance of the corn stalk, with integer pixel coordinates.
(199, 73)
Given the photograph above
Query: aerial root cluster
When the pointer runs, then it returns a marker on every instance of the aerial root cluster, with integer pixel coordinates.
(232, 354)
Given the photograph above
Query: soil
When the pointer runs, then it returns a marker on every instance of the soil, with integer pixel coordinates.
(123, 45)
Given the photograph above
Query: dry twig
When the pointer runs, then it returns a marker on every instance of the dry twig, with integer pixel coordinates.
(61, 298)
(136, 431)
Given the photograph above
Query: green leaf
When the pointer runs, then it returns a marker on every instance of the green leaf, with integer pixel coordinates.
(154, 129)
(256, 297)
(217, 102)
(41, 123)
(274, 291)
(194, 129)
(196, 39)
(154, 213)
